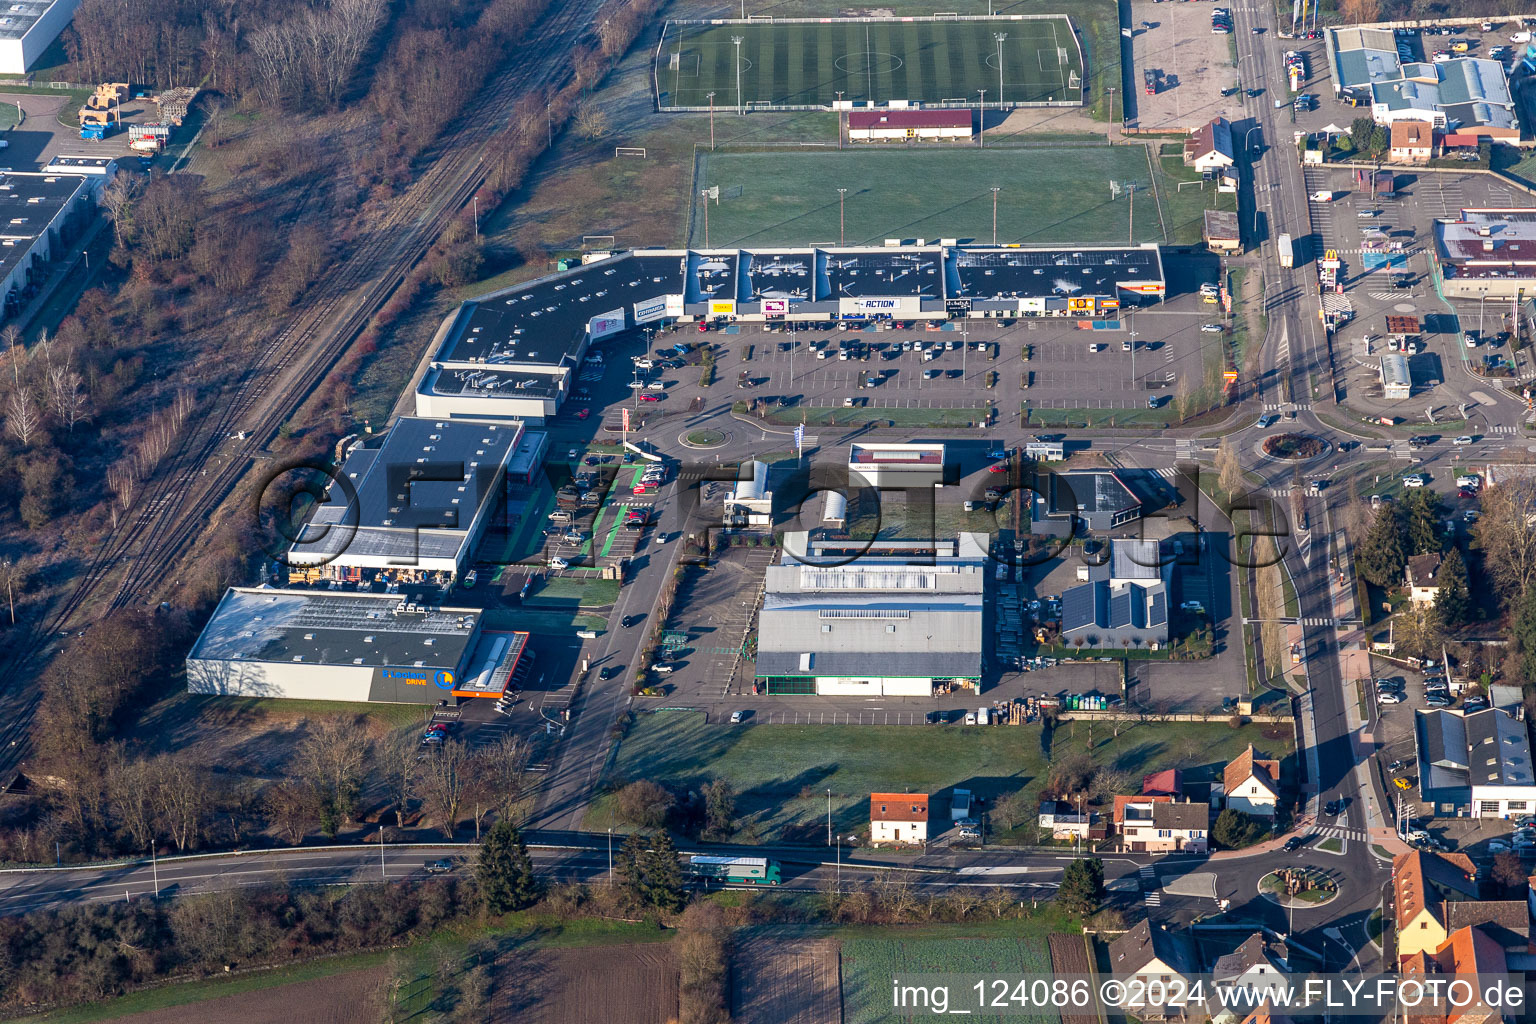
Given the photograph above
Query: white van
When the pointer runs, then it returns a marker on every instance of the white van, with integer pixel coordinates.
(982, 715)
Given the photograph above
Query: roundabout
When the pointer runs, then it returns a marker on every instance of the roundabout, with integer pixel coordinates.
(869, 62)
(1294, 447)
(1299, 887)
(704, 438)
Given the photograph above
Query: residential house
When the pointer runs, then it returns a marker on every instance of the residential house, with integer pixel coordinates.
(1467, 951)
(898, 818)
(1065, 822)
(1422, 884)
(1209, 147)
(1259, 965)
(1168, 782)
(1158, 824)
(1221, 232)
(1422, 572)
(1252, 784)
(1413, 142)
(1150, 954)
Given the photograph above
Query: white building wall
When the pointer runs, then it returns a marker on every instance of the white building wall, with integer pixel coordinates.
(898, 831)
(17, 54)
(270, 679)
(1503, 801)
(1253, 798)
(890, 686)
(449, 406)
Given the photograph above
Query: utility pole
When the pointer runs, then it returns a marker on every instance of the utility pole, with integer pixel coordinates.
(829, 817)
(381, 852)
(1111, 135)
(841, 195)
(981, 114)
(1130, 234)
(704, 196)
(737, 41)
(995, 190)
(476, 200)
(1000, 36)
(839, 108)
(711, 122)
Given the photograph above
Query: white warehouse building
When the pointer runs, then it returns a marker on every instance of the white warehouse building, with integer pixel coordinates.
(27, 28)
(896, 619)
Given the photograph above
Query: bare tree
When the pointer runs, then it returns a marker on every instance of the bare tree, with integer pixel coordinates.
(444, 783)
(66, 395)
(591, 121)
(1507, 533)
(508, 764)
(290, 806)
(13, 577)
(181, 797)
(332, 759)
(1416, 631)
(23, 418)
(118, 198)
(1184, 396)
(395, 760)
(1229, 468)
(128, 790)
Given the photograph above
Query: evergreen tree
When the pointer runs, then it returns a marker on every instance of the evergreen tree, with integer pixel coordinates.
(1525, 633)
(719, 809)
(1234, 829)
(1421, 514)
(1453, 598)
(505, 870)
(663, 874)
(1381, 557)
(630, 865)
(1082, 887)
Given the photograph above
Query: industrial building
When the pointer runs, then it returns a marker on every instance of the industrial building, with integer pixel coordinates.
(750, 502)
(1474, 764)
(418, 504)
(513, 353)
(896, 618)
(27, 28)
(40, 214)
(1124, 601)
(909, 125)
(1396, 379)
(1487, 253)
(326, 645)
(1221, 232)
(1465, 94)
(887, 466)
(1089, 499)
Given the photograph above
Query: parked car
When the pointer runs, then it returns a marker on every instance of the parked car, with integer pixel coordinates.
(1398, 766)
(736, 717)
(1388, 697)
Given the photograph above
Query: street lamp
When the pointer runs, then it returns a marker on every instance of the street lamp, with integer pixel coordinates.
(829, 817)
(995, 190)
(737, 41)
(999, 36)
(381, 852)
(610, 857)
(842, 193)
(711, 121)
(839, 110)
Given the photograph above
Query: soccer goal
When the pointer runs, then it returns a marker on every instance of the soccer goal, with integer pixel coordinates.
(597, 241)
(1074, 80)
(638, 151)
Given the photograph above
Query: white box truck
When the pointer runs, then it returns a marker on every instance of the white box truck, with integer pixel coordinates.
(1287, 255)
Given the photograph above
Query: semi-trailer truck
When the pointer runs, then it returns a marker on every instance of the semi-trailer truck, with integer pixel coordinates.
(736, 870)
(1287, 255)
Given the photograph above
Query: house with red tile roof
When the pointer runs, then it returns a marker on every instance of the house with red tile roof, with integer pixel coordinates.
(1252, 784)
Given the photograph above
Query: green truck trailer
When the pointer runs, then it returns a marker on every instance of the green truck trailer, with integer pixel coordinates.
(736, 870)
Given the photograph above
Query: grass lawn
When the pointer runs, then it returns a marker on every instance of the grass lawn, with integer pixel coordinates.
(1160, 418)
(836, 416)
(1183, 211)
(869, 62)
(782, 772)
(1333, 844)
(393, 715)
(564, 591)
(1048, 195)
(869, 967)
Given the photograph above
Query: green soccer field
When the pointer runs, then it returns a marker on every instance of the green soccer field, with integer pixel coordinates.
(1046, 195)
(872, 63)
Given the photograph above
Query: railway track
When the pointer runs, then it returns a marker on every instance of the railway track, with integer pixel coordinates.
(230, 433)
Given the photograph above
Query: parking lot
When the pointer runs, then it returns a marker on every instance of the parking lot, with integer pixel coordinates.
(1400, 283)
(1192, 65)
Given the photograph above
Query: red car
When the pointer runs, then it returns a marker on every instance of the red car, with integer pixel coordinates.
(582, 414)
(703, 326)
(998, 467)
(650, 398)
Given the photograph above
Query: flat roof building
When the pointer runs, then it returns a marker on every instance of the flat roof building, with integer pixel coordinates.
(512, 353)
(323, 645)
(420, 501)
(1097, 499)
(27, 28)
(896, 465)
(1361, 57)
(908, 125)
(39, 215)
(1487, 253)
(1474, 765)
(1221, 232)
(1396, 378)
(897, 619)
(1125, 600)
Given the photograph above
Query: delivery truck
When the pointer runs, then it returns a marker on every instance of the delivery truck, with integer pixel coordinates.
(1287, 255)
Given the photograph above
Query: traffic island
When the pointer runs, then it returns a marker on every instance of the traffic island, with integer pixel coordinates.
(1294, 447)
(704, 438)
(1299, 887)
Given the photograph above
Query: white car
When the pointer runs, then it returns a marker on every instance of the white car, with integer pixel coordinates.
(1471, 482)
(1210, 328)
(1389, 698)
(559, 563)
(645, 364)
(656, 385)
(637, 384)
(1413, 481)
(1471, 341)
(1462, 440)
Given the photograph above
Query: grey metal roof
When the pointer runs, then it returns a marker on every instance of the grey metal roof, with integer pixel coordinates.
(1472, 79)
(1102, 604)
(21, 15)
(28, 204)
(330, 628)
(1089, 491)
(1038, 273)
(1135, 559)
(1358, 68)
(862, 274)
(420, 492)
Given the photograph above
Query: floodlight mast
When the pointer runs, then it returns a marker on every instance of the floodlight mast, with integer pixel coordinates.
(1000, 36)
(737, 41)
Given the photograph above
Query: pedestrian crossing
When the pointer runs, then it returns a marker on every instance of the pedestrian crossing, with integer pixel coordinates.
(1151, 896)
(1341, 832)
(1316, 620)
(1152, 899)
